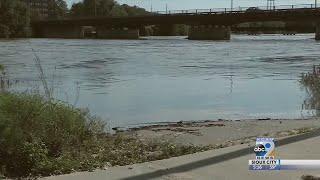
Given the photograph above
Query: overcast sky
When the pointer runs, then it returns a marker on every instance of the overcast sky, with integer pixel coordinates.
(159, 5)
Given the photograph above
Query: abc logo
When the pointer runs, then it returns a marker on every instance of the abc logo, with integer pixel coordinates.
(259, 149)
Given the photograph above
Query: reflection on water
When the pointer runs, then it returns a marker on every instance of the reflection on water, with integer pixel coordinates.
(171, 78)
(311, 82)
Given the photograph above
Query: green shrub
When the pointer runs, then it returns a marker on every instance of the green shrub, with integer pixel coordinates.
(33, 130)
(311, 82)
(40, 138)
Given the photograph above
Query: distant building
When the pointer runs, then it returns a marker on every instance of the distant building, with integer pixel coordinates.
(39, 8)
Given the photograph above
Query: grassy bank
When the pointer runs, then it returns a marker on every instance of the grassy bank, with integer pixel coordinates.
(41, 138)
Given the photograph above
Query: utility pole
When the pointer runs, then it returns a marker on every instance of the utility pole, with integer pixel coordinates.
(166, 8)
(315, 3)
(270, 4)
(231, 6)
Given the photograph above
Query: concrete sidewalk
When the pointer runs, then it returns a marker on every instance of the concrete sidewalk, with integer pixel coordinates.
(214, 164)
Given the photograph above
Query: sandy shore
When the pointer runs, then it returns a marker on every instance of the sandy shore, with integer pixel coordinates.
(234, 136)
(225, 133)
(222, 164)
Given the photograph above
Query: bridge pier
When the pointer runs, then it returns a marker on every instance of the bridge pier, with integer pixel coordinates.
(145, 31)
(209, 32)
(318, 31)
(117, 33)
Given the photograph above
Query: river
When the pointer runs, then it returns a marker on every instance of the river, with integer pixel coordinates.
(169, 79)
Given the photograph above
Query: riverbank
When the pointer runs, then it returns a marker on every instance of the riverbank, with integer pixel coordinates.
(42, 137)
(224, 133)
(226, 164)
(231, 145)
(46, 137)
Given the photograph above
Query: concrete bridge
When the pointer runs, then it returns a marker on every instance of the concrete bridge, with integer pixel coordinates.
(209, 24)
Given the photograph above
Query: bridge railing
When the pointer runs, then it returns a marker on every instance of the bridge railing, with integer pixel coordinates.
(235, 9)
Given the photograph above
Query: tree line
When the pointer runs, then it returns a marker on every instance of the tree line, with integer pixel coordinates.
(14, 18)
(15, 15)
(87, 8)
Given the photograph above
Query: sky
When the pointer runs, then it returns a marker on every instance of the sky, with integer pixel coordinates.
(160, 5)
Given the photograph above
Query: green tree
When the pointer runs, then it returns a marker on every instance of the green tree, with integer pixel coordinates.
(105, 7)
(77, 10)
(14, 18)
(118, 10)
(88, 8)
(98, 7)
(134, 10)
(58, 9)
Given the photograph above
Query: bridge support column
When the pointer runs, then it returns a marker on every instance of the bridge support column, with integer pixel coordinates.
(318, 31)
(146, 31)
(116, 33)
(209, 32)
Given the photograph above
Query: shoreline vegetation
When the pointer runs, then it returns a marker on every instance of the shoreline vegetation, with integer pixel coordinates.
(41, 137)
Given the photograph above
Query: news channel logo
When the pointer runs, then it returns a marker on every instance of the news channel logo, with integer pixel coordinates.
(265, 148)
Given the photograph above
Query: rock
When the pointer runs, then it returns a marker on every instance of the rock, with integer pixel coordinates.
(309, 177)
(264, 119)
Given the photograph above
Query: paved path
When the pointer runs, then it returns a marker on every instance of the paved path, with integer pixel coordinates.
(221, 164)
